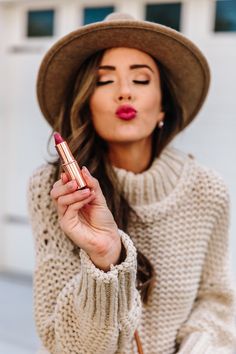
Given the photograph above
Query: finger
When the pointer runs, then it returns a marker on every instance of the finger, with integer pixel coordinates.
(92, 183)
(57, 183)
(74, 197)
(72, 210)
(59, 189)
(64, 178)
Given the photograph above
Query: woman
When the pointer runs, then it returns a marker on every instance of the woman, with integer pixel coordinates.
(145, 246)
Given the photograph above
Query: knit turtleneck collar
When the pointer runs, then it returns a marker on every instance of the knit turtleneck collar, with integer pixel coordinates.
(155, 183)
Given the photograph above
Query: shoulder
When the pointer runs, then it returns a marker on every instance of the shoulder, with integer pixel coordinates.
(205, 178)
(198, 182)
(41, 181)
(43, 175)
(210, 185)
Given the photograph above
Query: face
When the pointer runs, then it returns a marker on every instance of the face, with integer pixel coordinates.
(126, 103)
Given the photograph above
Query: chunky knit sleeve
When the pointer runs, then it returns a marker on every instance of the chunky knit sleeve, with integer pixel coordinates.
(210, 328)
(78, 307)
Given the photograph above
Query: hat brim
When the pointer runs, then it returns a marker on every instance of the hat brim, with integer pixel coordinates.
(186, 66)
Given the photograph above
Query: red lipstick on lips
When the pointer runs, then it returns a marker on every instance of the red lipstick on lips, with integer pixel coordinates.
(69, 164)
(126, 112)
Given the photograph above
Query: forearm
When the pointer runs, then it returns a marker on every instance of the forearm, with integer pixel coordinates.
(92, 310)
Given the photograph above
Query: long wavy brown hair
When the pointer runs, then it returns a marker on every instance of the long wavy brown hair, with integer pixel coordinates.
(75, 125)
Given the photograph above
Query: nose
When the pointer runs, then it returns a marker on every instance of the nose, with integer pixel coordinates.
(124, 92)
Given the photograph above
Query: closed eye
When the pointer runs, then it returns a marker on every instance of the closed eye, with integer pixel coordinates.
(141, 82)
(100, 83)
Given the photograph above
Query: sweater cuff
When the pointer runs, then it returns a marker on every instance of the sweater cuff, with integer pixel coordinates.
(99, 294)
(196, 343)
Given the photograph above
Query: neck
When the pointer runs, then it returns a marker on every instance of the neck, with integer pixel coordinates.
(158, 181)
(134, 156)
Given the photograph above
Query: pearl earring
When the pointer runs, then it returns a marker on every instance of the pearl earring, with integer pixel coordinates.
(160, 124)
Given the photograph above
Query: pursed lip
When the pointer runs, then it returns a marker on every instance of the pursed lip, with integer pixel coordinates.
(126, 112)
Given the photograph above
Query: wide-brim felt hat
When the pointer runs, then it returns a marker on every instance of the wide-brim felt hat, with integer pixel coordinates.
(185, 64)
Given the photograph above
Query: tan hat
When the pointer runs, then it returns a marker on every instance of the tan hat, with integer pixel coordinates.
(185, 64)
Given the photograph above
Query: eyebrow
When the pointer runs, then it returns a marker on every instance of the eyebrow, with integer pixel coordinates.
(134, 66)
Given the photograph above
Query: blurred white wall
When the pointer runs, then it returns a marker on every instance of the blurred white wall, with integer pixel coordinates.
(24, 133)
(2, 129)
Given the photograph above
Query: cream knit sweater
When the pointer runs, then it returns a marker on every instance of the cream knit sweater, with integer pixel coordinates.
(181, 224)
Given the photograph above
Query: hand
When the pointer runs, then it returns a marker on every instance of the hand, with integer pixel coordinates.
(86, 219)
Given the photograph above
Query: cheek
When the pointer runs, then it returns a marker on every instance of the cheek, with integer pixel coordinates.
(152, 97)
(95, 108)
(99, 117)
(93, 104)
(99, 103)
(153, 105)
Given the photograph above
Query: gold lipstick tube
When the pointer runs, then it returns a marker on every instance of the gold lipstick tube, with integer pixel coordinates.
(70, 165)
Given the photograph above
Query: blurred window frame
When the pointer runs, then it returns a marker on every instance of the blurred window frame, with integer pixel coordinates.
(225, 18)
(177, 6)
(40, 31)
(100, 12)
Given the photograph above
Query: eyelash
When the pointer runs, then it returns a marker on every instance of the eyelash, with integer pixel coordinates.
(139, 82)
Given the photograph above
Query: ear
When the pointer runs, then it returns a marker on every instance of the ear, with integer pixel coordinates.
(161, 116)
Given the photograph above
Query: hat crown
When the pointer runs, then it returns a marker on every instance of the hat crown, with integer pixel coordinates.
(118, 16)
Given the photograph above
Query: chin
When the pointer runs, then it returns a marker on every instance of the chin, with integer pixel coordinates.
(126, 139)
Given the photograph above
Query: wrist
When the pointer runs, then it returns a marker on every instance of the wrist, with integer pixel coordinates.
(112, 256)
